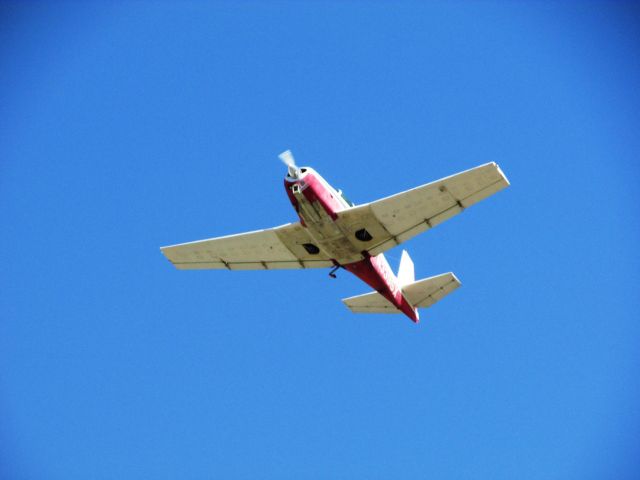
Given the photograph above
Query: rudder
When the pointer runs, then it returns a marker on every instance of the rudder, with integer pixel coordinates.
(406, 270)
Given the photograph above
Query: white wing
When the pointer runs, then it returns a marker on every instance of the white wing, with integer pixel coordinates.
(395, 219)
(274, 248)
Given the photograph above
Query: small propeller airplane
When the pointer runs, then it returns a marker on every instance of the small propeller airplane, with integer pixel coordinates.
(333, 232)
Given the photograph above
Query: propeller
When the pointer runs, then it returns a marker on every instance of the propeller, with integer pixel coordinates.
(288, 160)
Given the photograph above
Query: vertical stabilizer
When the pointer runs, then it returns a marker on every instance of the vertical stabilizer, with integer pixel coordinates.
(406, 273)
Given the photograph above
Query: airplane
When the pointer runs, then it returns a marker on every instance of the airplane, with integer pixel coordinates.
(334, 232)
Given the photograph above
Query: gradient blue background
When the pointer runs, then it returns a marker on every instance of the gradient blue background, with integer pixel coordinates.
(127, 126)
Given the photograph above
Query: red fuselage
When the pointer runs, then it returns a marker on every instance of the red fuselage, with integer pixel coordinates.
(319, 205)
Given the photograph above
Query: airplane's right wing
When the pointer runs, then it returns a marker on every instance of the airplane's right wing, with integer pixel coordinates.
(287, 246)
(383, 224)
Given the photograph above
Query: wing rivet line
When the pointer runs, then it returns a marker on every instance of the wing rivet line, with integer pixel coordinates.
(443, 189)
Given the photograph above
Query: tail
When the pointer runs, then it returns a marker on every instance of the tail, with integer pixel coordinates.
(421, 294)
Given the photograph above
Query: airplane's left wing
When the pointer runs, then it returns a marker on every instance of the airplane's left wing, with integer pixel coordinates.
(274, 248)
(383, 224)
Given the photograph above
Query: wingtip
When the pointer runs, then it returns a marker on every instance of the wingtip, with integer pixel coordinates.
(455, 278)
(501, 173)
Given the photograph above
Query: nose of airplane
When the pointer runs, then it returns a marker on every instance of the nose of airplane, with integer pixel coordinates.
(289, 161)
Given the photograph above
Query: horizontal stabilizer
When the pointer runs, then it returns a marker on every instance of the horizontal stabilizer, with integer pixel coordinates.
(370, 303)
(426, 292)
(421, 294)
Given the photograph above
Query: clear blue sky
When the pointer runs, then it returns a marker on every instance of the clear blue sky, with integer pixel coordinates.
(125, 126)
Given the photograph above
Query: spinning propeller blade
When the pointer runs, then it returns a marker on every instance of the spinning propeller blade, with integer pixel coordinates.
(288, 160)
